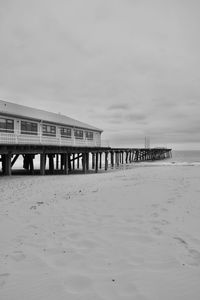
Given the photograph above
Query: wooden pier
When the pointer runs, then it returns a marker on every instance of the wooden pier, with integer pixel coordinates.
(67, 159)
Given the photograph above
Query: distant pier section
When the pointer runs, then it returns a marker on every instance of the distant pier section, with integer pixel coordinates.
(62, 144)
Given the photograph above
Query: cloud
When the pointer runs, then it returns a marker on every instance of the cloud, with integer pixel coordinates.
(129, 67)
(119, 106)
(135, 117)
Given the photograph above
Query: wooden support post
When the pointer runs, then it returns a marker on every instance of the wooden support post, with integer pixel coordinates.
(78, 161)
(126, 157)
(42, 163)
(111, 159)
(117, 158)
(31, 163)
(100, 160)
(142, 155)
(106, 160)
(84, 162)
(73, 161)
(3, 160)
(65, 163)
(132, 156)
(61, 161)
(8, 164)
(93, 162)
(122, 157)
(51, 163)
(136, 155)
(129, 156)
(69, 161)
(26, 162)
(96, 162)
(87, 161)
(57, 161)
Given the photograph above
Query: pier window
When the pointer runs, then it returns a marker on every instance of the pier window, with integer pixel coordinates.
(78, 134)
(89, 135)
(6, 125)
(29, 128)
(65, 132)
(48, 130)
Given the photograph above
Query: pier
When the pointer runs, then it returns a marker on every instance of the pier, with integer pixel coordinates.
(50, 143)
(66, 160)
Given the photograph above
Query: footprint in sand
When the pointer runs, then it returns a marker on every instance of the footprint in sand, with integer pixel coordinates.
(3, 277)
(155, 215)
(164, 209)
(157, 231)
(171, 200)
(155, 205)
(18, 256)
(180, 240)
(193, 257)
(164, 222)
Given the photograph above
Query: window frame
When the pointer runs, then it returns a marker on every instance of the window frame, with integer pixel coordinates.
(6, 127)
(28, 130)
(88, 137)
(49, 133)
(78, 134)
(67, 134)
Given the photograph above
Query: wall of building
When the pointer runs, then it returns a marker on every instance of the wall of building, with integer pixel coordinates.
(17, 137)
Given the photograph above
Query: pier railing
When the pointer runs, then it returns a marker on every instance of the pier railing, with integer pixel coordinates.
(17, 138)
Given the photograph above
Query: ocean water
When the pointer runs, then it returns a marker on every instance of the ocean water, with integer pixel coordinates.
(184, 157)
(189, 156)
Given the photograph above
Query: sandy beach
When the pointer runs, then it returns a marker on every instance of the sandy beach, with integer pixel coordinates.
(121, 235)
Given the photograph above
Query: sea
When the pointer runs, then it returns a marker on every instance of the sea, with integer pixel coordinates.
(189, 156)
(183, 157)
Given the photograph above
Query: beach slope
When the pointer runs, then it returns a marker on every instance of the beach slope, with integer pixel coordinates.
(122, 235)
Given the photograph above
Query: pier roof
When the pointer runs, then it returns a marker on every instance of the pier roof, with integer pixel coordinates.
(17, 110)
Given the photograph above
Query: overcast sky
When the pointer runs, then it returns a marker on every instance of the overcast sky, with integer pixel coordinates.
(130, 67)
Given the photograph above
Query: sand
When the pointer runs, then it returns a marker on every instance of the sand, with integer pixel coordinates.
(128, 234)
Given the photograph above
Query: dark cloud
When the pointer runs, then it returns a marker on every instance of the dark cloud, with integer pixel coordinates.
(119, 106)
(134, 117)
